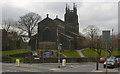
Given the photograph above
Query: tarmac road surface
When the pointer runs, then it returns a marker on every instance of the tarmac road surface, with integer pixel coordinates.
(53, 67)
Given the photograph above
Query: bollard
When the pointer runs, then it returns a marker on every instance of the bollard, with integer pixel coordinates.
(64, 62)
(97, 66)
(17, 62)
(58, 66)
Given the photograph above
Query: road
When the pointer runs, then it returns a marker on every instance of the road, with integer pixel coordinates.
(53, 67)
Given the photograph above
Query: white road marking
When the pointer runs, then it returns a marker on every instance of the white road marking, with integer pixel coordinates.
(55, 69)
(8, 70)
(22, 69)
(97, 71)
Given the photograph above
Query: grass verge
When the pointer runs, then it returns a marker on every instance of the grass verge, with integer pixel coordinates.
(92, 53)
(13, 59)
(12, 52)
(70, 54)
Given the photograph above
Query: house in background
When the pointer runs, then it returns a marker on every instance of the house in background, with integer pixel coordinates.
(10, 41)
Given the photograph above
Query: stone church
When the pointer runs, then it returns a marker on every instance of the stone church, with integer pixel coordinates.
(52, 32)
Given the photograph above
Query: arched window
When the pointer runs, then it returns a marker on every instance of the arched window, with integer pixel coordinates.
(46, 35)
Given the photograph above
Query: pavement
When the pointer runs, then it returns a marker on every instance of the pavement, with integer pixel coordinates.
(80, 53)
(53, 67)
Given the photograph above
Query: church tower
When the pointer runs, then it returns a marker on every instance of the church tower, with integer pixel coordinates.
(71, 19)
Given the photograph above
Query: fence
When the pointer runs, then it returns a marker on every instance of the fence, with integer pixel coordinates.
(7, 58)
(55, 60)
(50, 60)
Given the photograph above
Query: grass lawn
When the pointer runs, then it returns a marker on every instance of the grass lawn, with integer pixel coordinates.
(12, 52)
(91, 53)
(71, 54)
(115, 53)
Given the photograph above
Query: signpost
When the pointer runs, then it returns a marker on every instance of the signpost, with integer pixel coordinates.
(106, 39)
(35, 53)
(106, 36)
(59, 48)
(27, 39)
(48, 53)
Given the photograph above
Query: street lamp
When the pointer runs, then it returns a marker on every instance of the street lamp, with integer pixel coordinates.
(97, 48)
(59, 48)
(27, 39)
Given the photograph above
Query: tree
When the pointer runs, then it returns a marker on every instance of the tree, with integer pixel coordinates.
(28, 23)
(113, 45)
(7, 24)
(92, 32)
(10, 35)
(98, 46)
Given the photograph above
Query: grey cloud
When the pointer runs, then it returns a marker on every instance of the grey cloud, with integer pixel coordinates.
(53, 8)
(103, 15)
(0, 15)
(11, 12)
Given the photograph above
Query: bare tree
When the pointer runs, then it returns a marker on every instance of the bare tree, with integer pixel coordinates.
(11, 33)
(28, 23)
(113, 45)
(98, 46)
(118, 41)
(7, 24)
(92, 32)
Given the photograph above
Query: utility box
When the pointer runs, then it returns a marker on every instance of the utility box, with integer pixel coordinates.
(17, 62)
(64, 62)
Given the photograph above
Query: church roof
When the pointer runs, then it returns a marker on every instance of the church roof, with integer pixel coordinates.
(59, 20)
(78, 35)
(47, 20)
(66, 35)
(73, 34)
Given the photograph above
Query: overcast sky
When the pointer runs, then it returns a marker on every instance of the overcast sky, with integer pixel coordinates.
(103, 14)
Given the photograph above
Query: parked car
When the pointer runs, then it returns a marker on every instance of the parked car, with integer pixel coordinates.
(111, 63)
(102, 59)
(118, 62)
(112, 57)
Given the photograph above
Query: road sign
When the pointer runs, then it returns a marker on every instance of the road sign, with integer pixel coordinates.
(106, 36)
(47, 53)
(35, 53)
(37, 58)
(109, 51)
(25, 39)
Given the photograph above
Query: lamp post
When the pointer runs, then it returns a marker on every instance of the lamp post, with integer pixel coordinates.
(59, 48)
(27, 39)
(97, 48)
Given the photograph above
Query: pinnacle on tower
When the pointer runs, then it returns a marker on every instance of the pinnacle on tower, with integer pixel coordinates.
(74, 7)
(56, 16)
(66, 5)
(67, 8)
